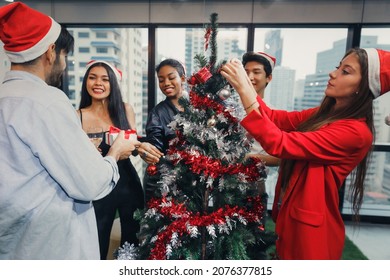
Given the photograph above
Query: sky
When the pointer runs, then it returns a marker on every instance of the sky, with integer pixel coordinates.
(303, 43)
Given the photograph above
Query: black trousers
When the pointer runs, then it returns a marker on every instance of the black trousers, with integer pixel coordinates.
(124, 199)
(105, 211)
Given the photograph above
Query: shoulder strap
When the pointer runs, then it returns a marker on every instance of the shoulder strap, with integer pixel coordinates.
(81, 116)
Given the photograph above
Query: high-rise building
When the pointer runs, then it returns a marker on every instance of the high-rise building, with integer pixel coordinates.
(273, 45)
(279, 92)
(227, 46)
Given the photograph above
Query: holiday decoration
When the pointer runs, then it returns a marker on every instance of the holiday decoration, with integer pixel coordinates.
(113, 133)
(200, 77)
(126, 252)
(224, 93)
(207, 38)
(207, 205)
(211, 122)
(152, 169)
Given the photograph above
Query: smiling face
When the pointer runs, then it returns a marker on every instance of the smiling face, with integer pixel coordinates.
(98, 83)
(344, 82)
(258, 76)
(170, 82)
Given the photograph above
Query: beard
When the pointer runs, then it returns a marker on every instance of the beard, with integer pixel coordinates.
(55, 77)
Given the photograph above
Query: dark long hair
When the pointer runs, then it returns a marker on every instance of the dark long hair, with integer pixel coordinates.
(360, 107)
(116, 106)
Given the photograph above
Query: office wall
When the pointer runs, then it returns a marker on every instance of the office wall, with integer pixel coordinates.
(182, 11)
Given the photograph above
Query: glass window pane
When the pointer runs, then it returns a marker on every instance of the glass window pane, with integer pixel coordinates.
(376, 199)
(83, 35)
(83, 50)
(304, 58)
(379, 38)
(124, 48)
(188, 42)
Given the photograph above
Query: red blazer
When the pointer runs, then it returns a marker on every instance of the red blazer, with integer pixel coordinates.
(308, 221)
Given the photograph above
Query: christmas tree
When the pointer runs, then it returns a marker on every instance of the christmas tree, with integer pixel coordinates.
(207, 206)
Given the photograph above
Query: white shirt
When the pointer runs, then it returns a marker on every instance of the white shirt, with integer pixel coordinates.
(50, 173)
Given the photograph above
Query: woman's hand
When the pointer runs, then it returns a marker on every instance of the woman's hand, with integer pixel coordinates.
(149, 153)
(235, 74)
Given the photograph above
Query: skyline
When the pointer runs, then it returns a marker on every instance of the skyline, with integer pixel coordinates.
(304, 43)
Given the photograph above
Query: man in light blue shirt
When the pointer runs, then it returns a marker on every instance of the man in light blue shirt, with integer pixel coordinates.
(50, 171)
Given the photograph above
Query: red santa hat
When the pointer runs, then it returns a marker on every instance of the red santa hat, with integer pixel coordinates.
(117, 72)
(252, 56)
(378, 71)
(25, 32)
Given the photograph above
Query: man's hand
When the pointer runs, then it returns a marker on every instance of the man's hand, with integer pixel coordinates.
(122, 148)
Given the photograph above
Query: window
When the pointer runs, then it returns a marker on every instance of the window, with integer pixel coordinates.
(83, 50)
(71, 82)
(119, 52)
(102, 35)
(101, 50)
(83, 34)
(190, 42)
(376, 201)
(70, 67)
(305, 56)
(71, 94)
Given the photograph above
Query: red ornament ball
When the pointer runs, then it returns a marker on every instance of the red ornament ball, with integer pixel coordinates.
(152, 170)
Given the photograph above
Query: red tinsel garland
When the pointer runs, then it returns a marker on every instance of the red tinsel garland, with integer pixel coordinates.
(182, 219)
(207, 38)
(203, 102)
(213, 167)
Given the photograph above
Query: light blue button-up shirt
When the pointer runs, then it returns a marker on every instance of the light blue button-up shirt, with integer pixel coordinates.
(49, 174)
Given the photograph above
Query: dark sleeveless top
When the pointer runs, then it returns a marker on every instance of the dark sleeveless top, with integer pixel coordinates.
(129, 187)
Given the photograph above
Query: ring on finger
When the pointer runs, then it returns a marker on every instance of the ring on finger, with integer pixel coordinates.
(145, 154)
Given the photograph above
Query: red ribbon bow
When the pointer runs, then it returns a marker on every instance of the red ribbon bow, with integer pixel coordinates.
(128, 132)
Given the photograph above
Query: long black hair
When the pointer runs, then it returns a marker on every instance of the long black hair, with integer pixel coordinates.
(116, 106)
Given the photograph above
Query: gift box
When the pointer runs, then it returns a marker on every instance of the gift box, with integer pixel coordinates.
(114, 131)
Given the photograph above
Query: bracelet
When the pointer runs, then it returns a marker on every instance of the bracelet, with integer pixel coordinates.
(251, 105)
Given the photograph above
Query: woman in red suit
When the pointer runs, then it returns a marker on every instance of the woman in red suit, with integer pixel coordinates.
(319, 148)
